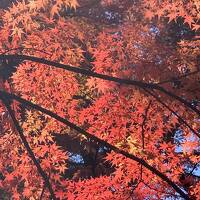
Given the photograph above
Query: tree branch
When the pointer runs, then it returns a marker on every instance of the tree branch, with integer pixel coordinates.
(179, 77)
(24, 48)
(158, 191)
(26, 103)
(177, 115)
(28, 148)
(44, 188)
(144, 122)
(102, 76)
(42, 193)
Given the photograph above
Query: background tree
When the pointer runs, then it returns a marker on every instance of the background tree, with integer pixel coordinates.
(155, 117)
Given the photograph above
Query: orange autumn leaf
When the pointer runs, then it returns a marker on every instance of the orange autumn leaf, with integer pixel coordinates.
(154, 45)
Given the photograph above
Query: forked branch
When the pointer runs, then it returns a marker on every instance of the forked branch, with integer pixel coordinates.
(139, 84)
(28, 148)
(26, 103)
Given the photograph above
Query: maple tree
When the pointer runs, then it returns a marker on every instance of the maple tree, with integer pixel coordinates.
(99, 99)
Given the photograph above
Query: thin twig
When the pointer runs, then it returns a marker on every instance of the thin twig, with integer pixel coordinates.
(44, 187)
(175, 113)
(158, 191)
(24, 48)
(144, 122)
(178, 77)
(43, 190)
(194, 167)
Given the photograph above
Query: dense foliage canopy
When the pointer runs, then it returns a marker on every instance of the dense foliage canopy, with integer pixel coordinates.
(100, 99)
